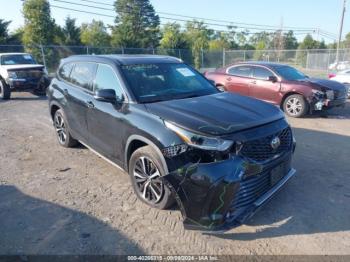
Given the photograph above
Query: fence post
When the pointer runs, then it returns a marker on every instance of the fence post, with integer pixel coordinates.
(307, 60)
(123, 50)
(87, 50)
(223, 57)
(43, 55)
(244, 55)
(202, 62)
(180, 54)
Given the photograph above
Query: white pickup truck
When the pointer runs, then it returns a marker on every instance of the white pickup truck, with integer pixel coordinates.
(20, 72)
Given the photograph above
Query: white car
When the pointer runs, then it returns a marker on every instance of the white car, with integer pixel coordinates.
(340, 65)
(19, 72)
(342, 77)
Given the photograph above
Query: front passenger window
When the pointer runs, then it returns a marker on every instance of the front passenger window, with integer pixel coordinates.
(107, 79)
(262, 73)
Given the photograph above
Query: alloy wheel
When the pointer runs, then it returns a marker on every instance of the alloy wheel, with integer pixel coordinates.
(60, 128)
(294, 106)
(148, 180)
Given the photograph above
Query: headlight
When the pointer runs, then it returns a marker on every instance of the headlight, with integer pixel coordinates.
(200, 141)
(12, 75)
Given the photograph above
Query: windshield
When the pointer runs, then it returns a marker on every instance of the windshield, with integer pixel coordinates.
(17, 60)
(161, 82)
(289, 73)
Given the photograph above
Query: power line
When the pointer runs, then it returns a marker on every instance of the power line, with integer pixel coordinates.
(301, 32)
(178, 19)
(210, 19)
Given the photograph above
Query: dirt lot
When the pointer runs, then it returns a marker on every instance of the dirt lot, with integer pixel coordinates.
(59, 201)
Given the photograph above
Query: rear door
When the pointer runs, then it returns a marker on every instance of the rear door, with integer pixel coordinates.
(264, 89)
(106, 121)
(238, 79)
(78, 92)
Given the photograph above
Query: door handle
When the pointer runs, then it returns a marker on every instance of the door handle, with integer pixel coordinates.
(65, 92)
(229, 79)
(253, 82)
(90, 104)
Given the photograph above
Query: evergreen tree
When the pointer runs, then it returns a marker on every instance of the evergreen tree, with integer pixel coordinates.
(136, 25)
(71, 32)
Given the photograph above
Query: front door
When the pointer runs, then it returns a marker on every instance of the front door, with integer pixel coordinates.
(262, 87)
(106, 120)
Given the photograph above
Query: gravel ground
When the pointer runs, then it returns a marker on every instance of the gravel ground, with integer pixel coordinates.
(69, 201)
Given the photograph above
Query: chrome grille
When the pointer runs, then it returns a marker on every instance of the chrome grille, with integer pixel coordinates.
(260, 150)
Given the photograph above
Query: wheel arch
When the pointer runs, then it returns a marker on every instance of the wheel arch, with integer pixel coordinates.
(135, 142)
(290, 94)
(53, 109)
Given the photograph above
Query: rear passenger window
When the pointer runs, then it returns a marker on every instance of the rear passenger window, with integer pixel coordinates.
(65, 70)
(262, 73)
(244, 71)
(83, 75)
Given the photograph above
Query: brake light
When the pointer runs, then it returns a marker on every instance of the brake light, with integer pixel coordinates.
(331, 76)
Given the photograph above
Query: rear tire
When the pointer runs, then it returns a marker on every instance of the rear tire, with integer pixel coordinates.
(146, 172)
(5, 90)
(64, 137)
(295, 106)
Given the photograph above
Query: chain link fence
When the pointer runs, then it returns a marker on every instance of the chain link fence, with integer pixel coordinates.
(313, 62)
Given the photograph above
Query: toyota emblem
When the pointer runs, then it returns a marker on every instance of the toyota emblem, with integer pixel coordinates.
(275, 143)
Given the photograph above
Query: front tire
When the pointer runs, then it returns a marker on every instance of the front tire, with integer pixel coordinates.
(295, 106)
(146, 172)
(64, 137)
(5, 91)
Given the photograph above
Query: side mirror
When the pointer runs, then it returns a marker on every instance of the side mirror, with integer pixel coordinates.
(106, 95)
(273, 79)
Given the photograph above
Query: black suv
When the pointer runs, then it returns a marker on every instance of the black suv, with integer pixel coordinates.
(220, 156)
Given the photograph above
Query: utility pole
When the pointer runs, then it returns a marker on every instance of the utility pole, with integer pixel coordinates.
(340, 31)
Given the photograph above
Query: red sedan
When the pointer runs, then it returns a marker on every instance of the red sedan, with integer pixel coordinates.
(282, 85)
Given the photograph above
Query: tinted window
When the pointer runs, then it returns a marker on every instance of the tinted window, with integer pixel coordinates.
(244, 71)
(83, 75)
(262, 73)
(107, 79)
(24, 59)
(65, 71)
(289, 73)
(160, 82)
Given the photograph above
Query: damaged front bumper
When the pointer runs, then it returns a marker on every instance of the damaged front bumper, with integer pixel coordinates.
(327, 101)
(222, 195)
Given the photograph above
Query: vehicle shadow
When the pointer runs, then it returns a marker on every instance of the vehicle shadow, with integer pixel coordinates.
(316, 200)
(32, 226)
(25, 98)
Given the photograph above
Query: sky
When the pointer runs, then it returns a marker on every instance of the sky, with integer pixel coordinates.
(323, 14)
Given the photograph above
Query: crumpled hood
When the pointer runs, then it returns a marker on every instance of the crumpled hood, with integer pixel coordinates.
(323, 84)
(21, 67)
(217, 114)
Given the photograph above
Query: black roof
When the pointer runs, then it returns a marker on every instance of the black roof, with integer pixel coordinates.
(124, 59)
